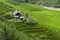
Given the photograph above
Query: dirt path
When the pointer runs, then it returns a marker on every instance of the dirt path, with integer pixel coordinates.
(57, 9)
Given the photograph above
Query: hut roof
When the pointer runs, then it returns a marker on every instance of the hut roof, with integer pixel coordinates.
(15, 12)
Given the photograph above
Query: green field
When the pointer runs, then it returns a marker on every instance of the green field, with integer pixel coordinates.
(47, 27)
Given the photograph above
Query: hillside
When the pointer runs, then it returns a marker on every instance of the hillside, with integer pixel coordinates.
(5, 9)
(50, 17)
(48, 21)
(49, 3)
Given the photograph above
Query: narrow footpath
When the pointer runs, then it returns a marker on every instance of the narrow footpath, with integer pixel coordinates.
(57, 9)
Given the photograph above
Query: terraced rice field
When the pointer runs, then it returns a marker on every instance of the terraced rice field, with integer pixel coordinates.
(48, 22)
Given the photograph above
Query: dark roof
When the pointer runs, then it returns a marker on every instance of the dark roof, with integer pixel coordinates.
(18, 14)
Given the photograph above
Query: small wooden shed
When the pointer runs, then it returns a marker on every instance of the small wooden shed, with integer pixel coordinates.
(17, 14)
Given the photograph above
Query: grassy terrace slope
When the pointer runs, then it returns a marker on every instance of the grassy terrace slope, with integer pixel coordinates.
(5, 9)
(47, 21)
(43, 16)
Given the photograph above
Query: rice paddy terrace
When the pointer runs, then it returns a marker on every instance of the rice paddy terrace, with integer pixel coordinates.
(14, 2)
(4, 9)
(48, 21)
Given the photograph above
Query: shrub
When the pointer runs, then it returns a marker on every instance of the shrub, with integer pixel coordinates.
(31, 22)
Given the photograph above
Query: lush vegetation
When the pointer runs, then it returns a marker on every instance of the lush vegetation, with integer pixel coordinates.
(50, 3)
(5, 9)
(47, 27)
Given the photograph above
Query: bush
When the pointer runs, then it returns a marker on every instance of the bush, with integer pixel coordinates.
(31, 22)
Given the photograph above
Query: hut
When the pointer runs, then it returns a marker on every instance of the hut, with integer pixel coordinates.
(18, 15)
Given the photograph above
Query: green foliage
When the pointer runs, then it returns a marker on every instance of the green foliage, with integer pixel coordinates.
(42, 2)
(4, 8)
(16, 2)
(48, 26)
(51, 3)
(11, 33)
